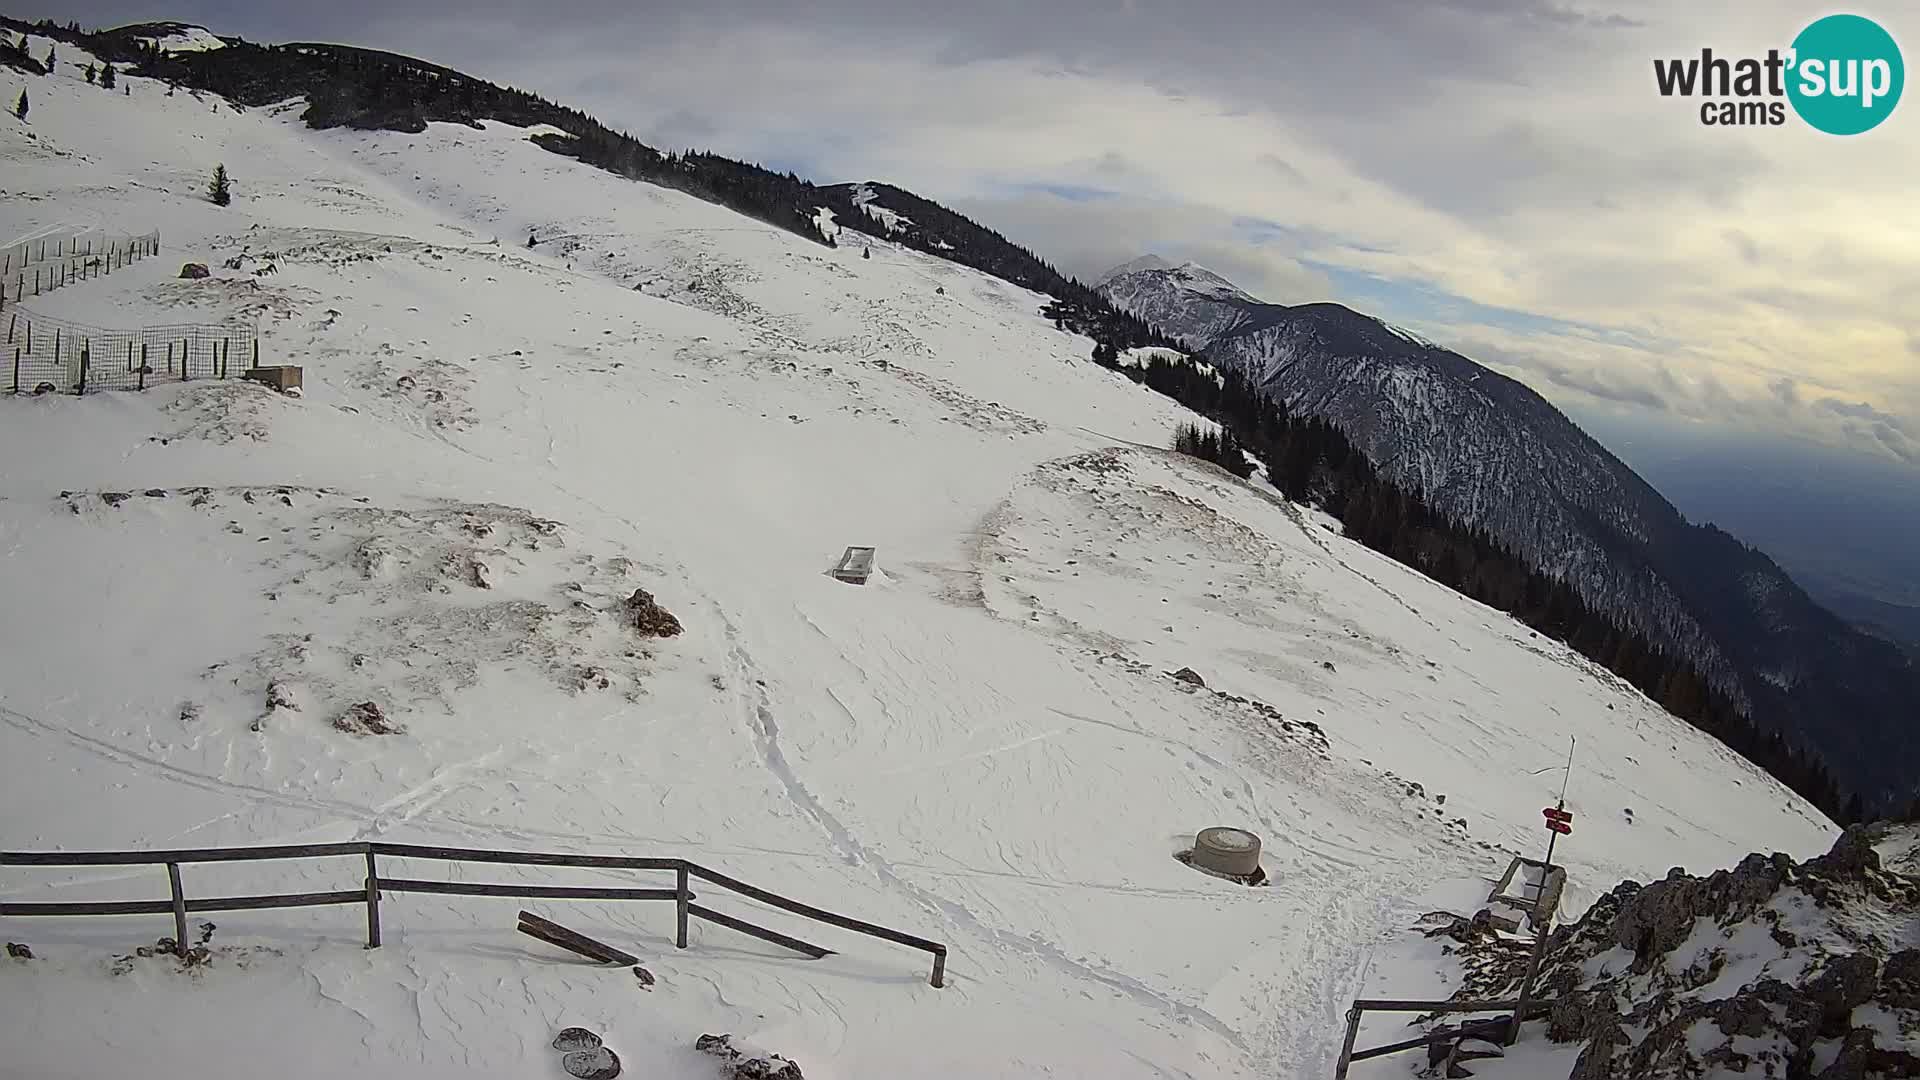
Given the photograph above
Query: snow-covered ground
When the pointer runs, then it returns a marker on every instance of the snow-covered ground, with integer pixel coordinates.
(498, 443)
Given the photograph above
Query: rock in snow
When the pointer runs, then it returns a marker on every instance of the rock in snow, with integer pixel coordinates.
(1773, 968)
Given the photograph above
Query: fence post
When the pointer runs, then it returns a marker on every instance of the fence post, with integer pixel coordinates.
(179, 910)
(84, 357)
(1346, 1050)
(680, 904)
(256, 352)
(16, 369)
(1526, 984)
(183, 359)
(373, 902)
(143, 366)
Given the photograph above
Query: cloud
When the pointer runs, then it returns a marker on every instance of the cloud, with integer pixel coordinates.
(1500, 172)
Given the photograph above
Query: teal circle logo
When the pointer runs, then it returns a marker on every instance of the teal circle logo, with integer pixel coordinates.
(1846, 74)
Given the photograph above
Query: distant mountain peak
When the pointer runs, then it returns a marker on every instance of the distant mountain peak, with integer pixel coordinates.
(1144, 262)
(1189, 276)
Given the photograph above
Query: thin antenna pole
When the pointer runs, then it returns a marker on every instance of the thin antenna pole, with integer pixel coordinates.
(1569, 774)
(1554, 835)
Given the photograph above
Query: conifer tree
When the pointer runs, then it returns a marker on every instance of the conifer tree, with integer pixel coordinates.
(106, 77)
(20, 107)
(51, 58)
(221, 189)
(92, 75)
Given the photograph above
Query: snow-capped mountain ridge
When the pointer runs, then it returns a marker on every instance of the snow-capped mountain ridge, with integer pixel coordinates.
(1489, 451)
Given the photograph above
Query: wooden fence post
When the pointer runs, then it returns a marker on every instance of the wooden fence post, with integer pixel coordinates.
(373, 902)
(16, 369)
(179, 910)
(184, 354)
(256, 352)
(143, 369)
(84, 358)
(680, 904)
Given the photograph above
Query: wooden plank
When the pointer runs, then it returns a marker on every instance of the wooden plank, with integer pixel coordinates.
(163, 907)
(180, 855)
(553, 892)
(1472, 1029)
(522, 858)
(280, 900)
(554, 934)
(811, 912)
(760, 932)
(117, 907)
(1401, 1005)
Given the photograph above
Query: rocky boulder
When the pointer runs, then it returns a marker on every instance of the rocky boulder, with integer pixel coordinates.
(644, 614)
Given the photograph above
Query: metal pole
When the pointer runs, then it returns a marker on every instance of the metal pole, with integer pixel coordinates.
(1526, 984)
(939, 978)
(179, 910)
(1346, 1048)
(373, 902)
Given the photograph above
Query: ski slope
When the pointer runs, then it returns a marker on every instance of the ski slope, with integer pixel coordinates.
(497, 443)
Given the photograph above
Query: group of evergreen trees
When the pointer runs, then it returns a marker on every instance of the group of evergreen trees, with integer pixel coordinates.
(1311, 461)
(1219, 447)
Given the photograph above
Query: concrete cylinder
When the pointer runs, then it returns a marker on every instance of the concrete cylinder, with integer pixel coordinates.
(1227, 851)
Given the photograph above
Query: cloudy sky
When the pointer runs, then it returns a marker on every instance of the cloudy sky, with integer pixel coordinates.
(1498, 174)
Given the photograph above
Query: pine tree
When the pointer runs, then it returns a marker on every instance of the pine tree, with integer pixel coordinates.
(221, 189)
(51, 57)
(92, 75)
(20, 107)
(106, 77)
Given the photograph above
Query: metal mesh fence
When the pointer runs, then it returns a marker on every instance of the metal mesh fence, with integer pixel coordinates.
(39, 266)
(43, 353)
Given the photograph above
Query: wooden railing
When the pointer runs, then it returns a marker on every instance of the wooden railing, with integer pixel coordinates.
(1500, 1028)
(374, 886)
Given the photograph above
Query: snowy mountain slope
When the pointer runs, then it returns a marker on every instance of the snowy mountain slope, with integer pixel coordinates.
(498, 444)
(1490, 452)
(1190, 302)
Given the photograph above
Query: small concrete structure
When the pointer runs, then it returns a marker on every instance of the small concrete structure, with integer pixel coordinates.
(283, 378)
(855, 567)
(1227, 851)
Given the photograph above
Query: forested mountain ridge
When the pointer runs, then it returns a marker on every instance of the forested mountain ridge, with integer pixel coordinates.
(1486, 451)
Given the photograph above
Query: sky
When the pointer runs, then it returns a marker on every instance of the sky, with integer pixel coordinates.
(1501, 175)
